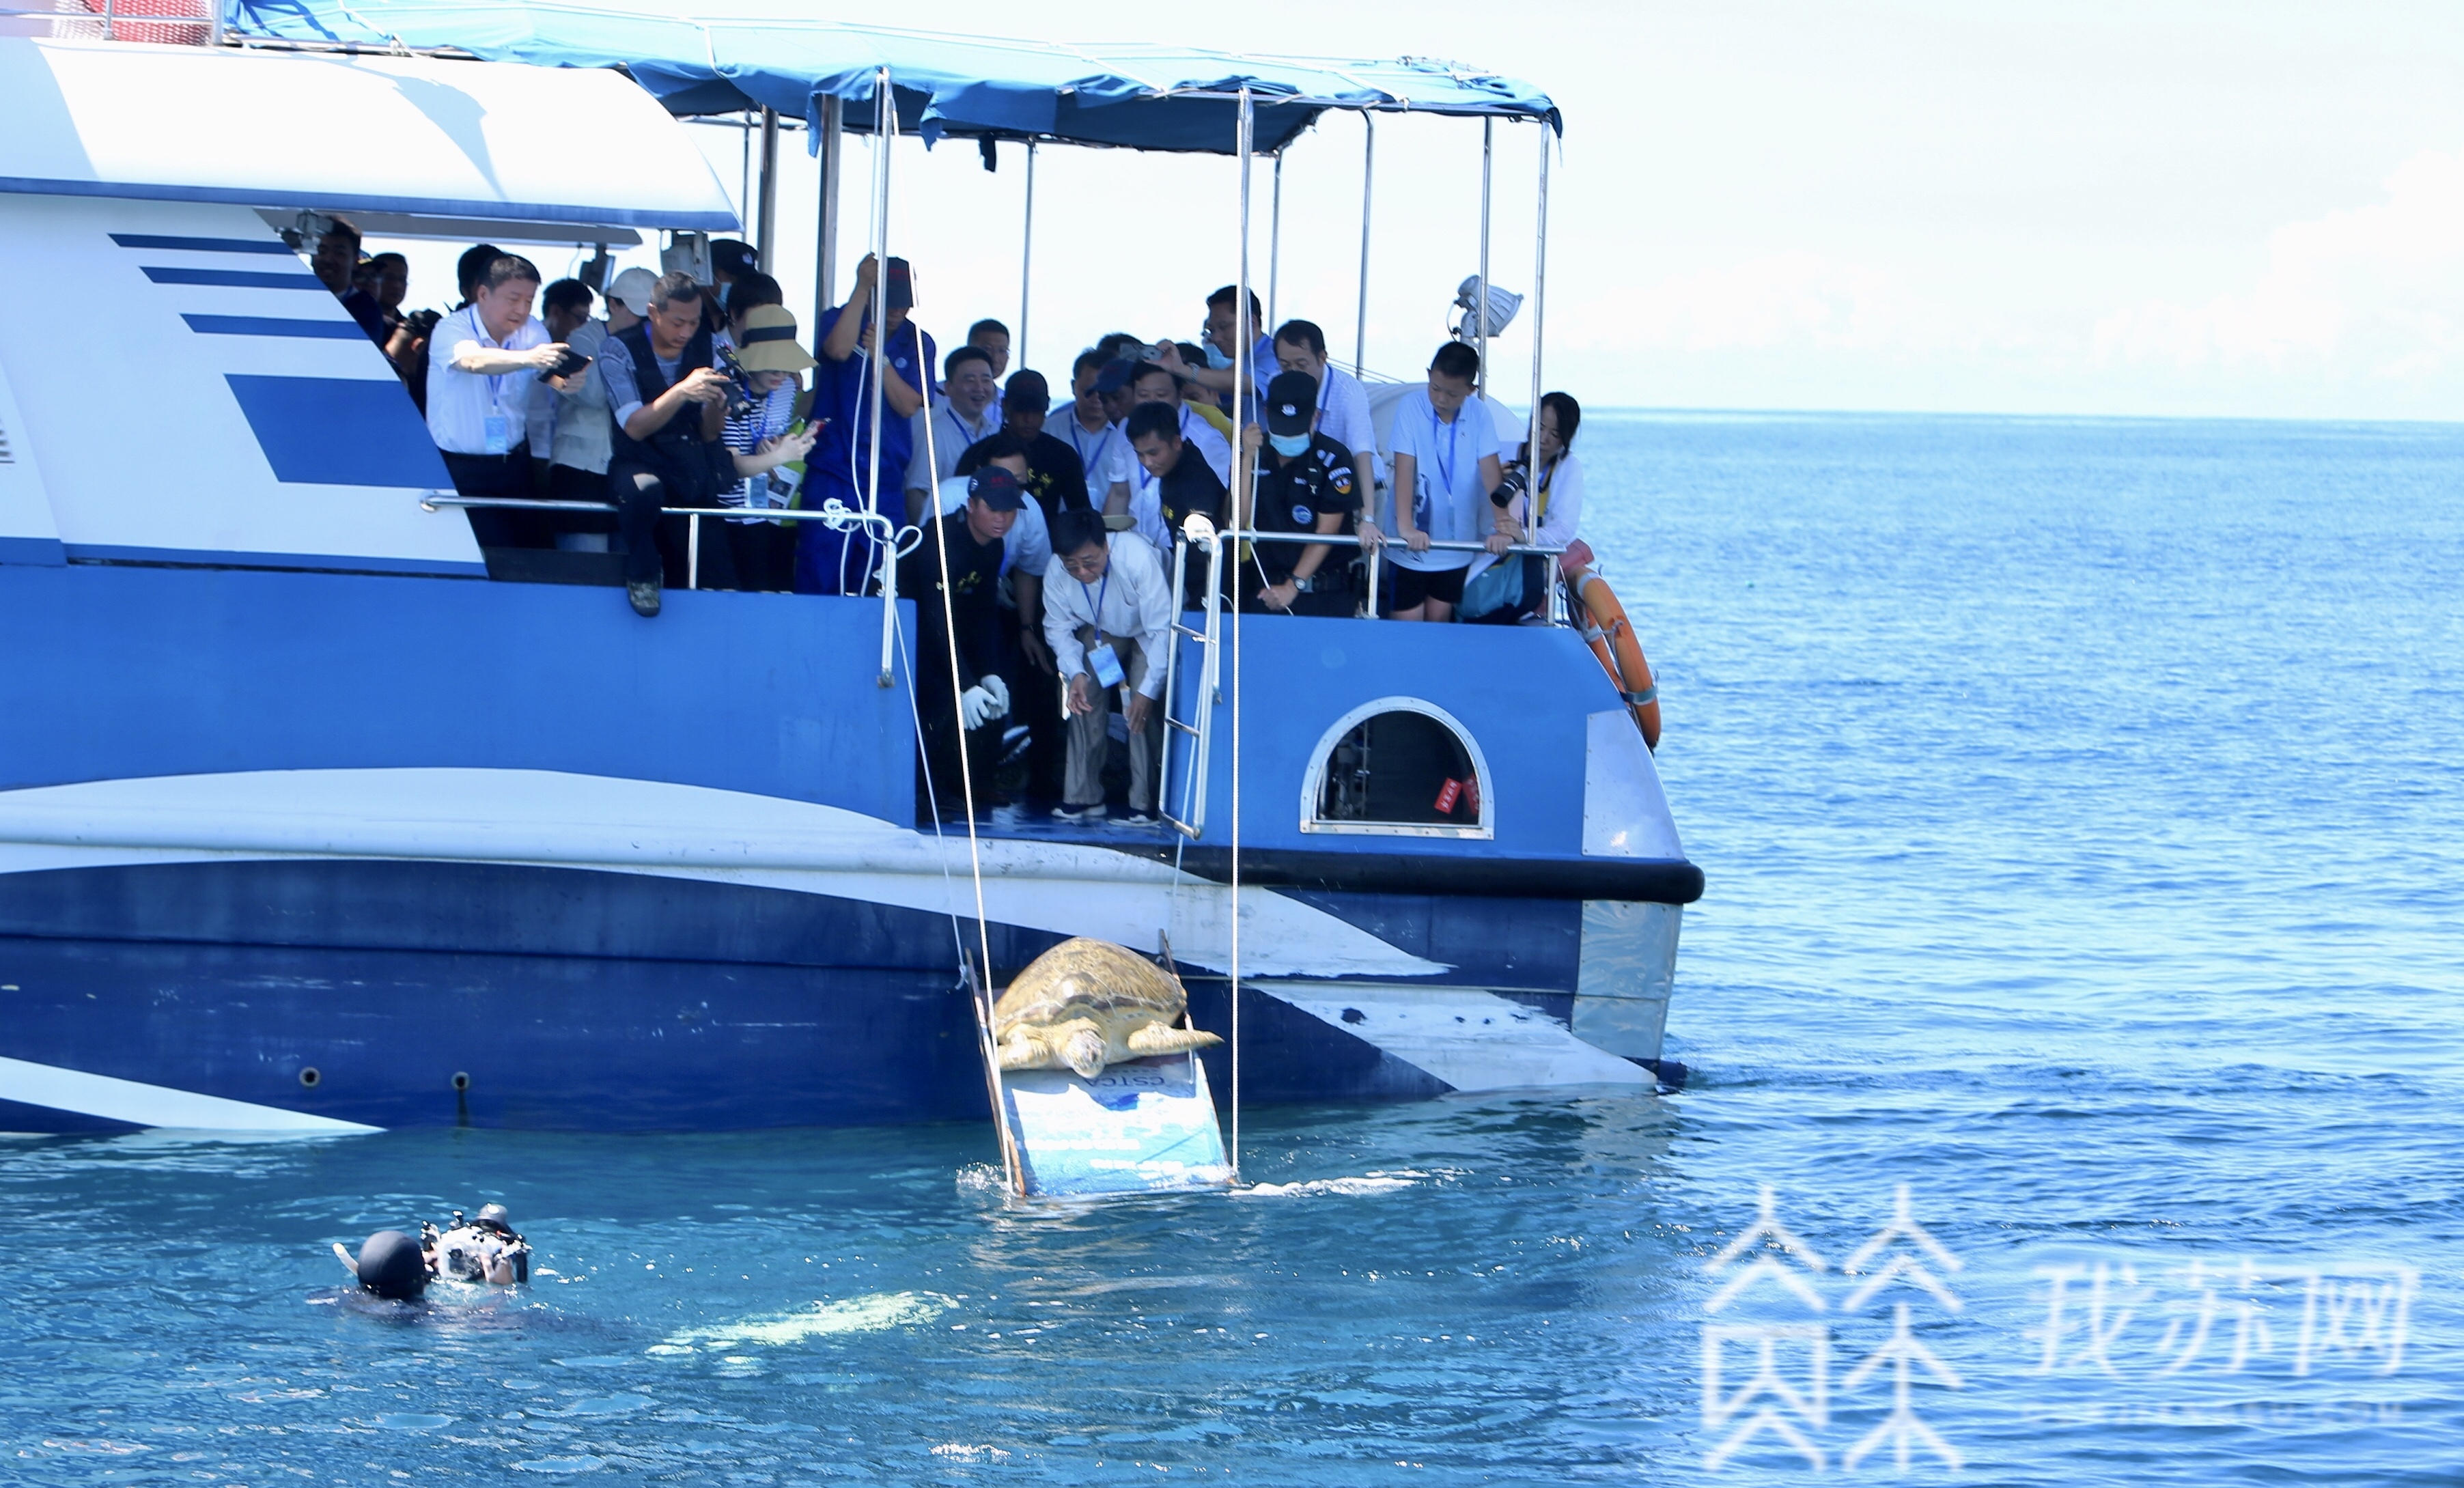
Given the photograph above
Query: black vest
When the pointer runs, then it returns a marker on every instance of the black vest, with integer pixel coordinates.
(685, 462)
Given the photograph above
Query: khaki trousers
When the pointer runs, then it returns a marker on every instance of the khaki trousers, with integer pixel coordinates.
(1091, 732)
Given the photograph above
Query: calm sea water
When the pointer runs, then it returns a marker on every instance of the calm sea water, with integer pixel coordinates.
(2080, 805)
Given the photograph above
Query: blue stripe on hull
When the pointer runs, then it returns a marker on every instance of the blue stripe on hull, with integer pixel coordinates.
(573, 1000)
(1503, 944)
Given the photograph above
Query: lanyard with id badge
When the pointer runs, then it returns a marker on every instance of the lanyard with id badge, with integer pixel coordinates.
(500, 429)
(1101, 659)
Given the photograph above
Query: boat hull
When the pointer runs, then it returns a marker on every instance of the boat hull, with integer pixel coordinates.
(388, 994)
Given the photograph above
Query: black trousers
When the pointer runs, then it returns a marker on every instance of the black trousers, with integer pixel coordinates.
(764, 553)
(662, 547)
(503, 477)
(565, 483)
(1035, 701)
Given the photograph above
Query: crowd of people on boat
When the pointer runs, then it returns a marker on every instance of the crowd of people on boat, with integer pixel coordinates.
(1048, 576)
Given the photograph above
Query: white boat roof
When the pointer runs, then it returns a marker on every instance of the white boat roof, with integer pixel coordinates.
(335, 133)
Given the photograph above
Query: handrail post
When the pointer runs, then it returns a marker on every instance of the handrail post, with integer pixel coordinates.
(1480, 313)
(1027, 261)
(765, 250)
(826, 226)
(1368, 180)
(889, 604)
(692, 552)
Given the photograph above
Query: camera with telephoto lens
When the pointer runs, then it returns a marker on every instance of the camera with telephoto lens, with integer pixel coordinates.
(423, 322)
(1510, 485)
(740, 396)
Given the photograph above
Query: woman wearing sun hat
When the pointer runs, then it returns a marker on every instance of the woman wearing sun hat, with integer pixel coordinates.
(766, 439)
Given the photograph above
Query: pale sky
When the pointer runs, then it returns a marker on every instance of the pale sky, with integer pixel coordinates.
(2245, 209)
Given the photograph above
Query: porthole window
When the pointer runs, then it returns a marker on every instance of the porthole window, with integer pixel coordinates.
(1399, 767)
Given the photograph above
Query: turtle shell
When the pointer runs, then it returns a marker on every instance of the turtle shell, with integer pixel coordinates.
(1111, 986)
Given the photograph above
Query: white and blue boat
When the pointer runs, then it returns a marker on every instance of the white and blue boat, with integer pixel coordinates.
(308, 822)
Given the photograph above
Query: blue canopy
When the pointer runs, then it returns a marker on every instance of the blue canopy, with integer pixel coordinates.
(771, 53)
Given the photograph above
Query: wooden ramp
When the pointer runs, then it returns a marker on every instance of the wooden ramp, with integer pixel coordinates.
(1146, 1127)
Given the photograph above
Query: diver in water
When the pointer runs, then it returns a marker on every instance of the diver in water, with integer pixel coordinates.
(480, 1249)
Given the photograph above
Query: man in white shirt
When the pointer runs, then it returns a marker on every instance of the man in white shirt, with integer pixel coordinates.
(963, 414)
(1108, 617)
(479, 398)
(1092, 433)
(1444, 449)
(1342, 403)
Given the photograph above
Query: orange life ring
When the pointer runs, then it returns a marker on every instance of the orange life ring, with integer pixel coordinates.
(1621, 655)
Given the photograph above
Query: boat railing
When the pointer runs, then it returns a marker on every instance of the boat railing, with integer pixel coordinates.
(692, 559)
(844, 517)
(1549, 601)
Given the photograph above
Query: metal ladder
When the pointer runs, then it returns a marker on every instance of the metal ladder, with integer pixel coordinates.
(1191, 820)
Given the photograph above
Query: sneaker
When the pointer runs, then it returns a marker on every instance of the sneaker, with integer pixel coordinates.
(644, 594)
(1139, 819)
(1093, 813)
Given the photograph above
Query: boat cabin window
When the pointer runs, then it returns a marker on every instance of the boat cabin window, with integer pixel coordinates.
(1399, 767)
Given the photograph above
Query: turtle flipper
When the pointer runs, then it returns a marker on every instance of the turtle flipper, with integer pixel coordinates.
(344, 1257)
(1158, 1038)
(1023, 1050)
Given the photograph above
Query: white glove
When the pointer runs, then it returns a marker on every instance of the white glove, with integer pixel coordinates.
(975, 704)
(1000, 691)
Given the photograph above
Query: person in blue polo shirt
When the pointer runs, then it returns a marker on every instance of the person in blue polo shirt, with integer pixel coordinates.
(842, 464)
(1444, 451)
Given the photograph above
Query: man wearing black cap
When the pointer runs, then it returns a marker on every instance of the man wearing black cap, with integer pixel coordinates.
(1305, 485)
(842, 464)
(963, 559)
(1054, 476)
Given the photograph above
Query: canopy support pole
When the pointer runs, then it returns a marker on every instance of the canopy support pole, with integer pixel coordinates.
(768, 243)
(826, 230)
(1244, 375)
(1026, 260)
(1275, 246)
(1479, 316)
(885, 131)
(1368, 180)
(1539, 323)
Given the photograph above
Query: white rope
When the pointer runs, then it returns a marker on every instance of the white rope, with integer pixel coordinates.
(1243, 377)
(959, 720)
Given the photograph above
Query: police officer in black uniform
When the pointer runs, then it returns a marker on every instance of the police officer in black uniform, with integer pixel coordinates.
(971, 539)
(1305, 485)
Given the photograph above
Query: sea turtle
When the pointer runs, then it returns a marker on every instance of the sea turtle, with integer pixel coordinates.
(1088, 1004)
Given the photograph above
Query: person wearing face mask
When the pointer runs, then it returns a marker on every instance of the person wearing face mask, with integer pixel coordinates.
(1305, 485)
(1444, 452)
